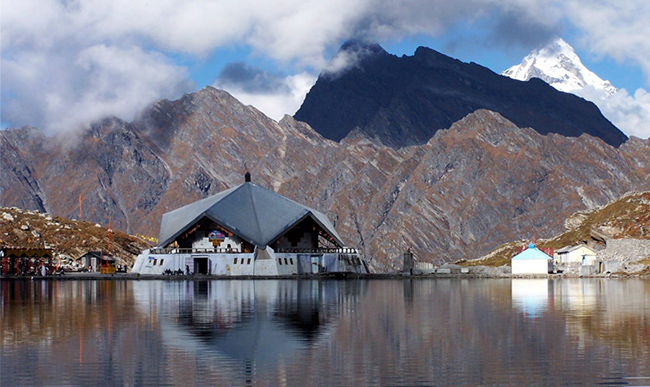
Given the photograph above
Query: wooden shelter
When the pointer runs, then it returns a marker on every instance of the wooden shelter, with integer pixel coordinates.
(25, 260)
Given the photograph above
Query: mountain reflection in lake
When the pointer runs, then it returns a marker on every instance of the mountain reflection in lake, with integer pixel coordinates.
(297, 332)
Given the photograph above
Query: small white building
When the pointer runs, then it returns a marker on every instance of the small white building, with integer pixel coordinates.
(532, 261)
(580, 254)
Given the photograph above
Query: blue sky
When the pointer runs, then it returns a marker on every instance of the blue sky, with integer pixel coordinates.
(66, 64)
(624, 75)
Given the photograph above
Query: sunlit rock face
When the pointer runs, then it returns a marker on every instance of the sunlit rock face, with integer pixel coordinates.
(469, 188)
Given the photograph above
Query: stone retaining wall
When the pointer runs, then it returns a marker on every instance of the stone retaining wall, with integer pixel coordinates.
(630, 250)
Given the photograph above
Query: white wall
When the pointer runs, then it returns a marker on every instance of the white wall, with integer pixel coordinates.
(576, 255)
(531, 266)
(204, 243)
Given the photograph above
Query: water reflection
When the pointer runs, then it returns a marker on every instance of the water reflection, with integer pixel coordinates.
(530, 296)
(385, 332)
(253, 322)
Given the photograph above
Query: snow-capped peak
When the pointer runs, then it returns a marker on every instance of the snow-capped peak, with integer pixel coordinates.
(558, 65)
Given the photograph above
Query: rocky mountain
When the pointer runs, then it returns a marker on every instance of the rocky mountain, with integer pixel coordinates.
(558, 65)
(471, 187)
(617, 231)
(404, 101)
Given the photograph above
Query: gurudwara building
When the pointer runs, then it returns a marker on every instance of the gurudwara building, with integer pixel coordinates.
(248, 231)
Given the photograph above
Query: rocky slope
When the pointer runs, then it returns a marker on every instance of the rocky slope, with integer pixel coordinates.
(404, 101)
(617, 231)
(471, 187)
(68, 238)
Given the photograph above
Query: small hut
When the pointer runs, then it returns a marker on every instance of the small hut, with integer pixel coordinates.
(581, 254)
(25, 261)
(94, 260)
(532, 261)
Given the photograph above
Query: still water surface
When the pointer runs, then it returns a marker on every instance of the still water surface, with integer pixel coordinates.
(310, 332)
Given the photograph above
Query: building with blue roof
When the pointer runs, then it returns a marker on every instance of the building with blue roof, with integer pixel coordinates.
(532, 261)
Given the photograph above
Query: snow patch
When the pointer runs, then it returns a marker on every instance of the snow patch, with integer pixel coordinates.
(558, 65)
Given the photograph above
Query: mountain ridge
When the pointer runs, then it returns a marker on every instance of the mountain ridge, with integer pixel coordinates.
(477, 184)
(403, 101)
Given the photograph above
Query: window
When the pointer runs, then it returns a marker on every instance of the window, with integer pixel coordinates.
(161, 261)
(285, 261)
(280, 261)
(235, 262)
(249, 261)
(291, 260)
(154, 262)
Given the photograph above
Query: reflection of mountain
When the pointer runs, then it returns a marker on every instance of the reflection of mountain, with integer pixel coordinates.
(66, 332)
(269, 332)
(254, 321)
(578, 295)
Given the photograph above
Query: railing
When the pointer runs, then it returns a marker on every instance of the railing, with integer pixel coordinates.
(176, 250)
(423, 265)
(339, 250)
(220, 250)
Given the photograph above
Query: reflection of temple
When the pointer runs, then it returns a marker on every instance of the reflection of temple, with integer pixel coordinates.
(247, 322)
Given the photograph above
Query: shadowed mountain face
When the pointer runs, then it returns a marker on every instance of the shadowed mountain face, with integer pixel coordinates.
(404, 101)
(471, 187)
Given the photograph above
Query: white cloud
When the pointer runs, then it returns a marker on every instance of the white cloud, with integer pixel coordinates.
(286, 98)
(630, 113)
(346, 59)
(65, 92)
(66, 63)
(617, 29)
(60, 71)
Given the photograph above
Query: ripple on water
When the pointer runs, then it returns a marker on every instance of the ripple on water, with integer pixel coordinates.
(388, 332)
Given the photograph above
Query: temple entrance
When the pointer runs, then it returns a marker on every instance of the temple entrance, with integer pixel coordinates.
(201, 265)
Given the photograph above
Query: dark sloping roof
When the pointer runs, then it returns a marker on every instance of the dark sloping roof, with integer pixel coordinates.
(255, 214)
(26, 252)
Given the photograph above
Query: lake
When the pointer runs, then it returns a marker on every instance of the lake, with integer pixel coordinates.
(326, 332)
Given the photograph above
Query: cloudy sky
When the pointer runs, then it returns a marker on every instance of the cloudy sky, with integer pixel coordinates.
(66, 63)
